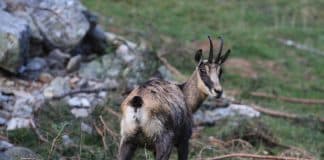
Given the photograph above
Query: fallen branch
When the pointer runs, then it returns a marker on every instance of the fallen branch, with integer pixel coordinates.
(254, 156)
(171, 68)
(37, 132)
(118, 115)
(55, 141)
(110, 131)
(78, 91)
(288, 99)
(281, 98)
(274, 113)
(102, 135)
(300, 46)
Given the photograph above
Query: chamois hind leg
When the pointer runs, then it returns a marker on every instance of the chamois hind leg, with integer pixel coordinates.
(163, 146)
(126, 150)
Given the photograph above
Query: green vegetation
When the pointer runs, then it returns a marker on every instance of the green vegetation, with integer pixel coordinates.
(251, 28)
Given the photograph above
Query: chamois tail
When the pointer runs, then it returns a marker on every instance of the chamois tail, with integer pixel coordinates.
(136, 102)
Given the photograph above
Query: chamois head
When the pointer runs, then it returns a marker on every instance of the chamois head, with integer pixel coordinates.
(210, 70)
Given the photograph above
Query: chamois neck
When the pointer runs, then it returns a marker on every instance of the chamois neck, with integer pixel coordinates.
(193, 94)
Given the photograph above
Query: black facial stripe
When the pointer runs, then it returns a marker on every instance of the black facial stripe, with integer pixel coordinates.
(204, 77)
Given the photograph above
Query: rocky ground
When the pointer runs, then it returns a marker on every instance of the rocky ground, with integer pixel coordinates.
(55, 56)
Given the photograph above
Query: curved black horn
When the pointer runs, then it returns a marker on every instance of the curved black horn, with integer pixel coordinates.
(220, 48)
(211, 52)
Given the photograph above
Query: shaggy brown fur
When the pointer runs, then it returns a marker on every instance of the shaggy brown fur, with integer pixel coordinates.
(158, 114)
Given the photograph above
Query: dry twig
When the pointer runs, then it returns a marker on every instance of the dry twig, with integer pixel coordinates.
(288, 99)
(110, 131)
(118, 115)
(55, 141)
(281, 98)
(102, 135)
(77, 91)
(171, 68)
(274, 113)
(253, 156)
(37, 132)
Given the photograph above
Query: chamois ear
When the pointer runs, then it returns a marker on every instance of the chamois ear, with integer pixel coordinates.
(224, 57)
(198, 55)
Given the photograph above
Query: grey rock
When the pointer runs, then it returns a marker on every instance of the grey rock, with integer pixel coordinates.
(61, 22)
(92, 70)
(15, 123)
(57, 59)
(102, 94)
(86, 128)
(166, 74)
(74, 63)
(14, 40)
(125, 54)
(80, 112)
(111, 83)
(4, 145)
(45, 77)
(79, 102)
(67, 141)
(58, 86)
(3, 121)
(4, 157)
(213, 115)
(18, 153)
(36, 64)
(3, 5)
(112, 65)
(22, 109)
(5, 98)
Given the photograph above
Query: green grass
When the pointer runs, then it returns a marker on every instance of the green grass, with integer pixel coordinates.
(250, 28)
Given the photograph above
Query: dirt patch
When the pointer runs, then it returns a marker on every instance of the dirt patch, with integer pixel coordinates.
(271, 66)
(242, 67)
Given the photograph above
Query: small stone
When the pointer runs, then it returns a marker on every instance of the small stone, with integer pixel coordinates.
(58, 55)
(124, 53)
(86, 128)
(111, 83)
(67, 141)
(36, 64)
(9, 83)
(16, 123)
(92, 70)
(45, 77)
(102, 94)
(74, 63)
(80, 112)
(79, 102)
(57, 87)
(22, 109)
(3, 121)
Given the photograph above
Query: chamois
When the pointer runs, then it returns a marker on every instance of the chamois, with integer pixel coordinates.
(158, 114)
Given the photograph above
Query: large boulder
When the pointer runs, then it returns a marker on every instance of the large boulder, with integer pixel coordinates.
(60, 23)
(14, 41)
(18, 153)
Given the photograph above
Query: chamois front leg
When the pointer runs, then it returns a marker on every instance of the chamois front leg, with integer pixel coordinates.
(163, 146)
(126, 150)
(183, 150)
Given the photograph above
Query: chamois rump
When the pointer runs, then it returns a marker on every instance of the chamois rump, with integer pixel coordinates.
(158, 114)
